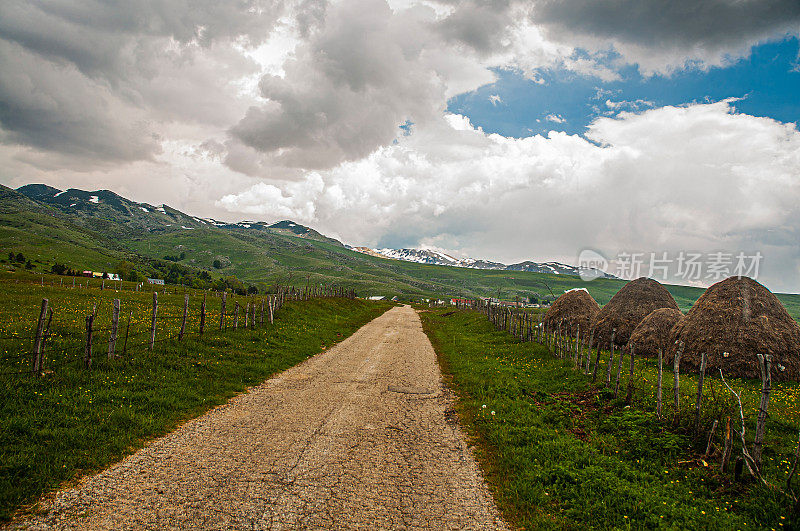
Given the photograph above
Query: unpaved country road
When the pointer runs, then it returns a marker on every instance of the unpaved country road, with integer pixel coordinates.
(362, 436)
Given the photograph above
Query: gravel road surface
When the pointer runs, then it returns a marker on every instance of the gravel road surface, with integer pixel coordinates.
(362, 436)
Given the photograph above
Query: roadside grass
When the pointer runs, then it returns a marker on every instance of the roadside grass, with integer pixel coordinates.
(561, 453)
(75, 421)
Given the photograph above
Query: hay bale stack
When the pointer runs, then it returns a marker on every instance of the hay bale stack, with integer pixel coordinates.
(655, 331)
(573, 308)
(732, 322)
(628, 307)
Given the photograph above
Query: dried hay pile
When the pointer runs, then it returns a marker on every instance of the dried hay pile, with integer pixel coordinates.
(573, 308)
(628, 307)
(655, 331)
(732, 322)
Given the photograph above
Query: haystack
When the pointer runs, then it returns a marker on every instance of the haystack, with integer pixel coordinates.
(628, 307)
(573, 308)
(732, 322)
(655, 331)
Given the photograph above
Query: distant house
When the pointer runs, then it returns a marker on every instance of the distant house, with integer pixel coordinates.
(87, 274)
(113, 276)
(375, 298)
(155, 281)
(460, 301)
(95, 274)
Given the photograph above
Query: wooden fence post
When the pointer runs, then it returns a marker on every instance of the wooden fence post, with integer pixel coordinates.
(676, 368)
(127, 331)
(660, 380)
(596, 362)
(589, 354)
(203, 314)
(185, 312)
(236, 317)
(87, 354)
(711, 436)
(112, 338)
(222, 310)
(619, 371)
(153, 323)
(39, 342)
(577, 345)
(271, 304)
(262, 312)
(611, 356)
(726, 452)
(765, 365)
(629, 395)
(699, 401)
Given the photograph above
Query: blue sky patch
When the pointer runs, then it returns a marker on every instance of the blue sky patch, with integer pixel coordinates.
(768, 81)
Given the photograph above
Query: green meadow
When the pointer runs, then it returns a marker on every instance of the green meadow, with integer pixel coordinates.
(561, 453)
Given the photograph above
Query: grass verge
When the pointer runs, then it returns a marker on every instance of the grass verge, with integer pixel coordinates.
(561, 453)
(75, 421)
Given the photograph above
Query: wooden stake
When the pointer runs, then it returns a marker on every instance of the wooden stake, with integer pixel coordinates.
(611, 357)
(203, 315)
(619, 371)
(185, 313)
(765, 365)
(660, 381)
(676, 367)
(711, 436)
(222, 310)
(112, 338)
(589, 354)
(236, 317)
(699, 401)
(153, 323)
(726, 451)
(629, 395)
(39, 341)
(87, 354)
(127, 331)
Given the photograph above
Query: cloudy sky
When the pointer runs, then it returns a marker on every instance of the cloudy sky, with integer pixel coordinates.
(495, 129)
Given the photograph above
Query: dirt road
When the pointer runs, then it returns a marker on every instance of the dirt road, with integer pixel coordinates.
(362, 436)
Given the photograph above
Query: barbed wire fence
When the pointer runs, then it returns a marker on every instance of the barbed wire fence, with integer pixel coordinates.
(53, 343)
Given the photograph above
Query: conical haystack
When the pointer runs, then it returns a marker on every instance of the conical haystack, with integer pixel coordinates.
(655, 331)
(573, 308)
(628, 307)
(732, 322)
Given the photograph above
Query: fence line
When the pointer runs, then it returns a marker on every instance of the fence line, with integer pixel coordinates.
(563, 344)
(118, 340)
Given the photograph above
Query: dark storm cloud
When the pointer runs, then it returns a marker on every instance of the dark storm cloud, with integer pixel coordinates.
(681, 24)
(87, 79)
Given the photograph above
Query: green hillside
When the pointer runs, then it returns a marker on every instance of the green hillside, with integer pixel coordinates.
(97, 230)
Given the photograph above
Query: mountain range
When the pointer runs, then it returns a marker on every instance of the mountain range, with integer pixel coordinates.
(101, 230)
(431, 256)
(155, 218)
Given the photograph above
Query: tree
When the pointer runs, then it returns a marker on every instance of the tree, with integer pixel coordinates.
(135, 276)
(252, 290)
(217, 264)
(29, 265)
(12, 257)
(124, 269)
(20, 257)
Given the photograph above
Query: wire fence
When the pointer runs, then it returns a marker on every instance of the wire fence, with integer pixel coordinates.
(33, 348)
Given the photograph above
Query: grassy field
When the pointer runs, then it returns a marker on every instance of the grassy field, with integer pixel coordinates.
(561, 453)
(74, 421)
